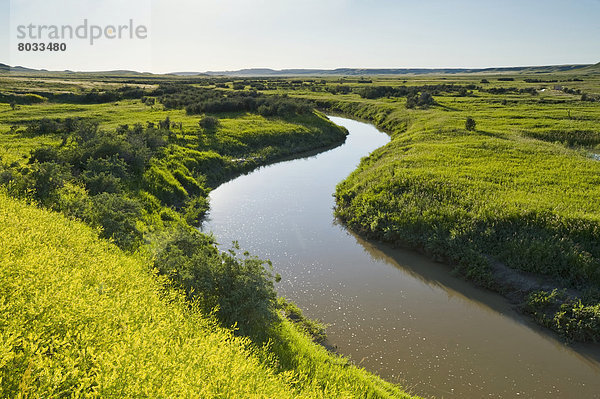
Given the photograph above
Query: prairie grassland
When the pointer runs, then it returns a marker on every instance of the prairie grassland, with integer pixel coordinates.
(80, 318)
(521, 189)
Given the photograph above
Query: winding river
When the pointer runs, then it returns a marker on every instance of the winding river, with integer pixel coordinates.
(394, 312)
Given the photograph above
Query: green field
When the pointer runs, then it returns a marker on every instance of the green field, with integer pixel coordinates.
(141, 303)
(134, 157)
(518, 191)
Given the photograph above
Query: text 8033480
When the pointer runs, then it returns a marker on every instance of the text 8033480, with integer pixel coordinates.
(49, 46)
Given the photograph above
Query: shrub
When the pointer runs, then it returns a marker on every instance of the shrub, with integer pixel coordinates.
(45, 178)
(208, 123)
(117, 215)
(470, 124)
(102, 182)
(240, 290)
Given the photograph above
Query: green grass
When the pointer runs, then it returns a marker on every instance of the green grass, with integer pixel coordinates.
(80, 318)
(519, 189)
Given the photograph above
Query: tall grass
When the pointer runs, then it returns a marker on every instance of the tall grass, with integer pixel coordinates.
(80, 318)
(518, 190)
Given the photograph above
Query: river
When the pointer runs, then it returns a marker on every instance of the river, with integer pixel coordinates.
(394, 312)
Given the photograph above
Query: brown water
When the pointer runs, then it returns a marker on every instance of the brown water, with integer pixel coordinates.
(394, 312)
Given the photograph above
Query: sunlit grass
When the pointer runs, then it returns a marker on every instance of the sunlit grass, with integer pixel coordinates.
(82, 319)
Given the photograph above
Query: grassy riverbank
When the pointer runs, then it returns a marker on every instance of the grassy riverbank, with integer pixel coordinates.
(511, 202)
(160, 311)
(82, 318)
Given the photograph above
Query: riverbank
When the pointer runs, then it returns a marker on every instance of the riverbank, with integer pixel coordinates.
(394, 312)
(111, 328)
(138, 175)
(491, 204)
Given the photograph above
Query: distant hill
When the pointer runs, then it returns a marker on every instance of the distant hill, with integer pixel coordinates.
(8, 68)
(591, 68)
(267, 72)
(391, 71)
(187, 74)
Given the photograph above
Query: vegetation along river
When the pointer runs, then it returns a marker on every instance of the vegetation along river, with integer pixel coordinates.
(394, 312)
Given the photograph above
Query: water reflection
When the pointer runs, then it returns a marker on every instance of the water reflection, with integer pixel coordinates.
(440, 276)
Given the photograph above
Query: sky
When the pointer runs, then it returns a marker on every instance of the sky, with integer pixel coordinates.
(215, 35)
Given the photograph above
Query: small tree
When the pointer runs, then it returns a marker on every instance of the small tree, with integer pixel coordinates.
(13, 105)
(166, 124)
(426, 99)
(208, 123)
(470, 124)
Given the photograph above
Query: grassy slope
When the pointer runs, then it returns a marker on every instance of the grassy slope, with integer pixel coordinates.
(194, 158)
(105, 310)
(464, 196)
(235, 128)
(81, 318)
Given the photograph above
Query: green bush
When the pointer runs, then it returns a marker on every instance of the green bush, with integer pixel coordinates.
(239, 290)
(470, 124)
(209, 123)
(117, 216)
(45, 178)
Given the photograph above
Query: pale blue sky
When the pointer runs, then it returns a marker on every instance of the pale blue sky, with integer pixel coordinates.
(192, 35)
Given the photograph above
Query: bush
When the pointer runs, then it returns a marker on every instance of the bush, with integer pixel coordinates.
(239, 290)
(117, 215)
(45, 178)
(73, 200)
(470, 124)
(102, 182)
(194, 210)
(208, 123)
(425, 99)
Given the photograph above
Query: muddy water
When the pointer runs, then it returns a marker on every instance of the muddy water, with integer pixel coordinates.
(394, 312)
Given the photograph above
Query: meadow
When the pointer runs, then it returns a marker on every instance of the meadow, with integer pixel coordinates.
(108, 288)
(495, 174)
(510, 202)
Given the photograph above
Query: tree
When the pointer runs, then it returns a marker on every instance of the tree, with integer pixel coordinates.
(208, 123)
(426, 99)
(165, 125)
(13, 105)
(470, 124)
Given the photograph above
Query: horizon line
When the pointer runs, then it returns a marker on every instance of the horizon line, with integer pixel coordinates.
(303, 69)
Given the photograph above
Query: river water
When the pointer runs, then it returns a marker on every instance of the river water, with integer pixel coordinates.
(392, 311)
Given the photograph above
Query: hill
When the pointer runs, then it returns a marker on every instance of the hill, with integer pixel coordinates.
(265, 72)
(8, 68)
(590, 69)
(82, 318)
